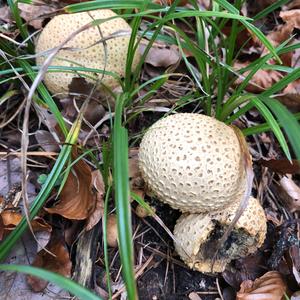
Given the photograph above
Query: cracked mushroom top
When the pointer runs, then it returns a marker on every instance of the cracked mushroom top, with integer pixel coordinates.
(192, 162)
(196, 234)
(86, 48)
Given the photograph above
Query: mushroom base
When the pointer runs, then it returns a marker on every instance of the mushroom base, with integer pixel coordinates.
(239, 244)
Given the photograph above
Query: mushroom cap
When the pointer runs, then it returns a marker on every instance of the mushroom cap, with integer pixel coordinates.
(84, 49)
(192, 162)
(192, 231)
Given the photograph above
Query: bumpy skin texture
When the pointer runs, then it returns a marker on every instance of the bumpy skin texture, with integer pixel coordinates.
(85, 48)
(192, 162)
(193, 230)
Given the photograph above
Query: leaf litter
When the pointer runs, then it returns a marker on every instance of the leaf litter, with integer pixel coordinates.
(80, 204)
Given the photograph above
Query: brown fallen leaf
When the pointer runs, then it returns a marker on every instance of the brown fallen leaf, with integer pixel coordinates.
(290, 193)
(269, 286)
(82, 195)
(283, 32)
(82, 89)
(296, 296)
(133, 163)
(277, 36)
(194, 296)
(97, 213)
(60, 263)
(161, 55)
(281, 166)
(135, 176)
(5, 14)
(291, 96)
(46, 140)
(259, 6)
(10, 219)
(262, 79)
(295, 257)
(291, 17)
(170, 2)
(247, 268)
(34, 15)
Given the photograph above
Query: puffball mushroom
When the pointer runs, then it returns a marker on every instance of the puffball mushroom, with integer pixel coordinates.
(195, 233)
(85, 49)
(192, 162)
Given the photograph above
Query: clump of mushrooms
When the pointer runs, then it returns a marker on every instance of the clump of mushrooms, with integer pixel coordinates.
(194, 163)
(102, 47)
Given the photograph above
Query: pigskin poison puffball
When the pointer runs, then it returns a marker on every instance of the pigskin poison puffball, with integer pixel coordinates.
(192, 162)
(194, 233)
(85, 49)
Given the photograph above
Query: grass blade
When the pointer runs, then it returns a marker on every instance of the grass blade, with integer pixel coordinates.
(63, 282)
(288, 121)
(273, 124)
(113, 4)
(39, 201)
(122, 194)
(282, 83)
(250, 26)
(23, 29)
(270, 9)
(264, 127)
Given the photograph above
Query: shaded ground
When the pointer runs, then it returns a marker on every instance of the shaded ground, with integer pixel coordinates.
(161, 273)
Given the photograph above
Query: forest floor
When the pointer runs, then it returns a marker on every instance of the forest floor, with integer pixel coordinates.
(159, 271)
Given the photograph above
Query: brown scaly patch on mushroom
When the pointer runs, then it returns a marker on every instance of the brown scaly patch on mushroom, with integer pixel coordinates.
(196, 234)
(84, 49)
(192, 162)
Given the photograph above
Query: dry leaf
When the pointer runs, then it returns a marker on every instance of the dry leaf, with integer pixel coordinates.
(14, 285)
(169, 2)
(10, 219)
(279, 35)
(292, 5)
(46, 140)
(269, 286)
(93, 113)
(294, 253)
(291, 17)
(290, 193)
(133, 163)
(135, 176)
(5, 14)
(161, 56)
(291, 96)
(194, 296)
(60, 263)
(281, 166)
(34, 15)
(77, 198)
(262, 79)
(296, 296)
(260, 5)
(98, 210)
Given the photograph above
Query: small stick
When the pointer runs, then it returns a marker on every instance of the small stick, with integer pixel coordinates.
(32, 153)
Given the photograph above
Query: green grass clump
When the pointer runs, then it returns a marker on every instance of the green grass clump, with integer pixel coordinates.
(212, 75)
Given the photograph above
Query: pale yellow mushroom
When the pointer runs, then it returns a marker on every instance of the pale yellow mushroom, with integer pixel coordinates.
(196, 235)
(86, 49)
(192, 162)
